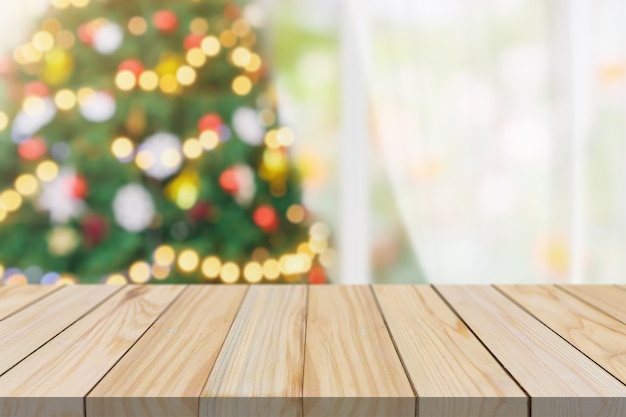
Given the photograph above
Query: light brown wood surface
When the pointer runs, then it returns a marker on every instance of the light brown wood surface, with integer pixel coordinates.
(191, 351)
(452, 372)
(263, 358)
(351, 365)
(164, 373)
(543, 363)
(14, 298)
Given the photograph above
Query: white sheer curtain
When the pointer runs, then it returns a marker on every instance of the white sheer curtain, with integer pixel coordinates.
(501, 124)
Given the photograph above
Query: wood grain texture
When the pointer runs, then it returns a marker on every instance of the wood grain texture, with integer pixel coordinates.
(260, 368)
(608, 298)
(561, 380)
(596, 334)
(15, 297)
(28, 329)
(452, 372)
(165, 372)
(351, 365)
(54, 380)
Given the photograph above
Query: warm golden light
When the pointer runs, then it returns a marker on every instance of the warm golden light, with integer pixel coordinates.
(271, 269)
(43, 41)
(80, 3)
(160, 272)
(267, 117)
(47, 171)
(33, 105)
(242, 85)
(84, 93)
(65, 39)
(199, 26)
(228, 38)
(271, 139)
(285, 136)
(164, 255)
(11, 200)
(140, 272)
(26, 184)
(61, 4)
(211, 46)
(319, 231)
(253, 272)
(211, 267)
(137, 25)
(230, 273)
(3, 213)
(254, 64)
(125, 80)
(149, 80)
(196, 58)
(168, 84)
(145, 159)
(296, 213)
(241, 56)
(209, 139)
(192, 148)
(116, 279)
(188, 260)
(65, 99)
(186, 75)
(4, 121)
(122, 148)
(240, 28)
(171, 158)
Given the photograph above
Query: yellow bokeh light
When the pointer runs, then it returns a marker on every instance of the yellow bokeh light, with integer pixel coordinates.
(285, 136)
(254, 64)
(271, 139)
(209, 139)
(271, 269)
(34, 106)
(211, 267)
(192, 148)
(253, 272)
(188, 260)
(122, 148)
(43, 41)
(241, 56)
(171, 158)
(199, 26)
(318, 246)
(242, 85)
(187, 195)
(240, 28)
(1, 270)
(47, 171)
(26, 184)
(80, 3)
(319, 231)
(66, 280)
(149, 80)
(116, 279)
(65, 39)
(228, 38)
(137, 25)
(296, 213)
(140, 272)
(84, 93)
(61, 4)
(160, 272)
(125, 80)
(30, 53)
(11, 200)
(3, 213)
(230, 273)
(305, 249)
(145, 159)
(186, 75)
(51, 25)
(65, 99)
(164, 255)
(195, 57)
(211, 46)
(168, 84)
(4, 121)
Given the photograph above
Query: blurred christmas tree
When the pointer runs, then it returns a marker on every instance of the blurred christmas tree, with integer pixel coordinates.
(140, 142)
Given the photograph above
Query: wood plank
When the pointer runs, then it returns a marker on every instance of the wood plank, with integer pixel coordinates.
(608, 298)
(561, 380)
(259, 371)
(54, 380)
(351, 365)
(453, 374)
(598, 335)
(165, 372)
(15, 297)
(27, 330)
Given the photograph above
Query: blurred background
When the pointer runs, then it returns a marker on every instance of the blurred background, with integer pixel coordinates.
(466, 141)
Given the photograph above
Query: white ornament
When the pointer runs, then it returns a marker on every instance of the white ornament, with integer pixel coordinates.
(133, 208)
(164, 153)
(27, 124)
(247, 187)
(98, 107)
(248, 127)
(58, 200)
(108, 38)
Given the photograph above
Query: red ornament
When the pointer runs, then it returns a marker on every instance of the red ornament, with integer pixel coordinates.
(266, 218)
(95, 229)
(32, 149)
(200, 212)
(317, 275)
(228, 181)
(165, 20)
(193, 41)
(211, 121)
(36, 89)
(133, 65)
(86, 33)
(78, 187)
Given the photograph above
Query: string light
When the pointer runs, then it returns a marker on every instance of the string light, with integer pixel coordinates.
(296, 213)
(144, 160)
(47, 171)
(211, 267)
(199, 26)
(285, 136)
(241, 56)
(271, 139)
(26, 184)
(160, 272)
(65, 39)
(11, 200)
(122, 148)
(188, 260)
(210, 46)
(196, 57)
(192, 148)
(65, 99)
(230, 273)
(137, 25)
(164, 255)
(240, 28)
(80, 3)
(168, 84)
(149, 80)
(242, 85)
(254, 64)
(33, 106)
(3, 213)
(125, 80)
(116, 279)
(319, 231)
(43, 41)
(209, 139)
(228, 39)
(186, 75)
(140, 272)
(61, 4)
(253, 272)
(271, 269)
(171, 158)
(4, 121)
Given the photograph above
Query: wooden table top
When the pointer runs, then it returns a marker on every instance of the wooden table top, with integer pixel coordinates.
(161, 351)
